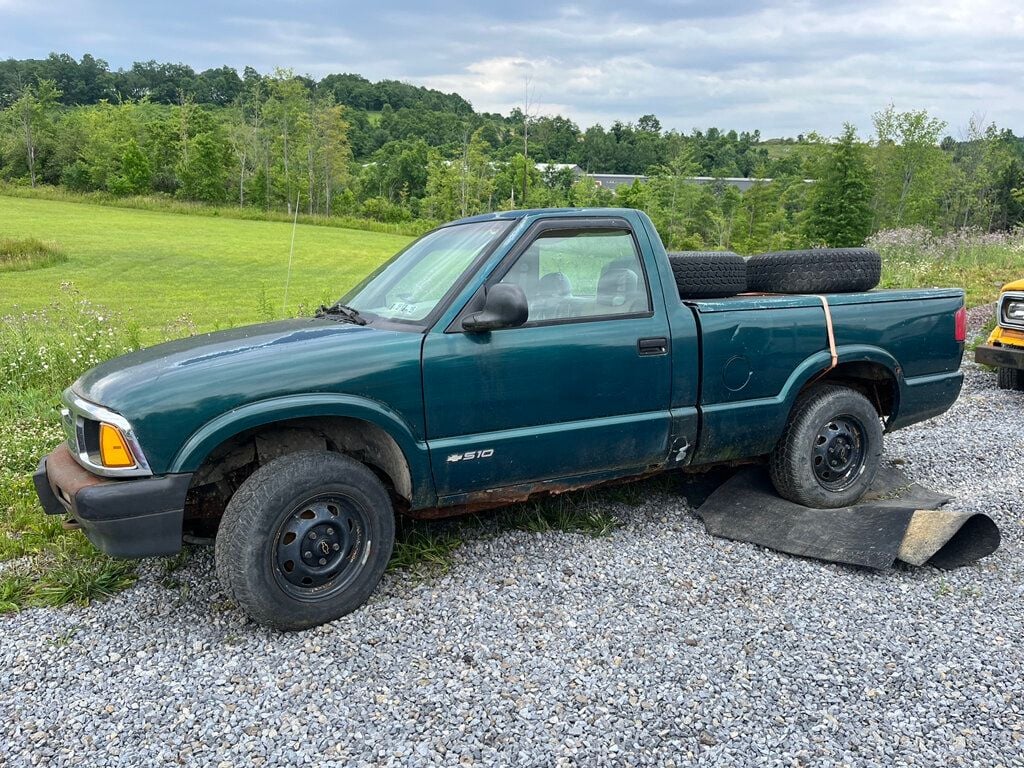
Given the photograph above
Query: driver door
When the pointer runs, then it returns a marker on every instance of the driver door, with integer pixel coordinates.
(581, 389)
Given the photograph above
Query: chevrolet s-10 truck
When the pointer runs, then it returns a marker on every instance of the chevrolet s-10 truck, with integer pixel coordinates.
(495, 358)
(1004, 348)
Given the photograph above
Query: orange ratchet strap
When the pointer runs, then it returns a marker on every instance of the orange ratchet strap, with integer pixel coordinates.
(831, 333)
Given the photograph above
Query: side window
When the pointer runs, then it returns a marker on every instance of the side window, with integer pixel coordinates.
(581, 274)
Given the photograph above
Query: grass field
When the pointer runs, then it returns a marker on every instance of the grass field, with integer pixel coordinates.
(157, 267)
(114, 278)
(138, 276)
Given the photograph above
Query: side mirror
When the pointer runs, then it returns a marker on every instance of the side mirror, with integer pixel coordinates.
(504, 307)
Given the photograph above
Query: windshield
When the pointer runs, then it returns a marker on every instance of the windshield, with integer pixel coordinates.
(412, 284)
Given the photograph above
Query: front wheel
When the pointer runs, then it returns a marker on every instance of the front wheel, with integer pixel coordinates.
(305, 539)
(830, 450)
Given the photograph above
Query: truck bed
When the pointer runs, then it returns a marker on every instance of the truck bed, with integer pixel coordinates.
(757, 351)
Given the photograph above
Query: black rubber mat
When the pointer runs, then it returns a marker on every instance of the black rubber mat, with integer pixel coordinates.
(897, 520)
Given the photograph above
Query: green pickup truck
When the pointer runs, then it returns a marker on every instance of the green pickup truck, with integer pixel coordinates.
(495, 358)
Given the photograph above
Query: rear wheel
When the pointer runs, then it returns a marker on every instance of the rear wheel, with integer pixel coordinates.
(305, 539)
(830, 450)
(1011, 378)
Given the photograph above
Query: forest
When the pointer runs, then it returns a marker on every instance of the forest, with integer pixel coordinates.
(394, 152)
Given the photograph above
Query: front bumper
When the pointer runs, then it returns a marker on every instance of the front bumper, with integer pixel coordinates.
(999, 357)
(123, 518)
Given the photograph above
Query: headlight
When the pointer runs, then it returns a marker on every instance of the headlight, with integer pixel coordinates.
(1011, 310)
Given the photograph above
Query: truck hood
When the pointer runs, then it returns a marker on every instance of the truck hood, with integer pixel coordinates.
(170, 390)
(111, 382)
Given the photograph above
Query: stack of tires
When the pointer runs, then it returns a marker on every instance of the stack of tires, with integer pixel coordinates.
(719, 274)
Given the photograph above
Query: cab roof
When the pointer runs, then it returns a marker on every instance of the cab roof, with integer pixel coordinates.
(528, 212)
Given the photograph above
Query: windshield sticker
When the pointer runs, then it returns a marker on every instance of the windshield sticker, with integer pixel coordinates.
(402, 308)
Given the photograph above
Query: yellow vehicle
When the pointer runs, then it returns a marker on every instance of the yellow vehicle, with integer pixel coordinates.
(1004, 349)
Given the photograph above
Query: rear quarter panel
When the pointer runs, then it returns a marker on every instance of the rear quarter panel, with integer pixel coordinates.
(758, 353)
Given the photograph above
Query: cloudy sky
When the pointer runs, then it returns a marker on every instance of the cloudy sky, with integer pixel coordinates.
(784, 67)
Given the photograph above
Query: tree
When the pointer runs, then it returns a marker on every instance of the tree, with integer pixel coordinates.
(840, 211)
(33, 112)
(332, 150)
(287, 116)
(442, 198)
(203, 173)
(397, 171)
(911, 169)
(133, 175)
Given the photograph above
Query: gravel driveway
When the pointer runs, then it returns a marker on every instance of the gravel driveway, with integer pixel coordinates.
(657, 645)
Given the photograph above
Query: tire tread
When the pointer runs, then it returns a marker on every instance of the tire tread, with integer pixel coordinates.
(1010, 378)
(788, 452)
(820, 270)
(246, 512)
(708, 274)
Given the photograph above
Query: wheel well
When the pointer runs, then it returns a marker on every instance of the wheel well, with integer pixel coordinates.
(873, 380)
(230, 463)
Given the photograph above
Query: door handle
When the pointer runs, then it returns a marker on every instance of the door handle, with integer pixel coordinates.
(653, 346)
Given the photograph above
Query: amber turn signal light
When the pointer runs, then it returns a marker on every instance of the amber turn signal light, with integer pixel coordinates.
(114, 450)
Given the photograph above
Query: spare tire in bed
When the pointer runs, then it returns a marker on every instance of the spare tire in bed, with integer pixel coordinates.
(821, 270)
(708, 274)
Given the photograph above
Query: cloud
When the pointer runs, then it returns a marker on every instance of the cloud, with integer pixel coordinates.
(785, 67)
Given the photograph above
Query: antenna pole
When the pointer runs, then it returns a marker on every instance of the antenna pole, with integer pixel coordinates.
(291, 254)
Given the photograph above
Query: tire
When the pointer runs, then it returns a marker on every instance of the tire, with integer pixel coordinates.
(832, 431)
(309, 496)
(822, 270)
(1011, 378)
(708, 274)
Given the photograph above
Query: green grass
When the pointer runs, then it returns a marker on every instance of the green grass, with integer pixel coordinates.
(167, 204)
(166, 270)
(20, 255)
(130, 276)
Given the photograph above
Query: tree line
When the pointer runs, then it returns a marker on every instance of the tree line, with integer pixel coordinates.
(393, 151)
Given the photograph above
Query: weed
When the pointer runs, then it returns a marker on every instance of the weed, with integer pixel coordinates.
(983, 334)
(170, 565)
(979, 262)
(20, 255)
(176, 562)
(426, 545)
(78, 579)
(64, 640)
(264, 307)
(574, 513)
(14, 591)
(46, 349)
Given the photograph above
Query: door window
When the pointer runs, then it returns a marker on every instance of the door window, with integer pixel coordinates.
(581, 274)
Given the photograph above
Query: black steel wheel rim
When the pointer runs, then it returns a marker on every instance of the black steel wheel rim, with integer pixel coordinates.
(321, 546)
(839, 451)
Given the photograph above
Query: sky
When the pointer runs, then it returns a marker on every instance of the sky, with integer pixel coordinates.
(782, 67)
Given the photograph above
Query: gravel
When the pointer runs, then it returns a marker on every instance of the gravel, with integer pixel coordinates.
(657, 645)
